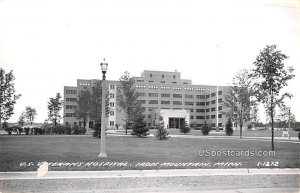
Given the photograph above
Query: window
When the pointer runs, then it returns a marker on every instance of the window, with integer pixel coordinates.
(71, 99)
(142, 101)
(149, 124)
(207, 103)
(177, 95)
(112, 87)
(200, 96)
(191, 117)
(153, 94)
(112, 123)
(165, 87)
(188, 103)
(141, 94)
(213, 102)
(111, 95)
(174, 77)
(111, 104)
(213, 94)
(207, 110)
(162, 81)
(140, 86)
(220, 100)
(143, 109)
(220, 92)
(207, 117)
(151, 81)
(153, 87)
(177, 102)
(112, 113)
(220, 116)
(174, 82)
(152, 108)
(71, 91)
(70, 114)
(163, 76)
(200, 103)
(200, 110)
(189, 96)
(220, 125)
(213, 116)
(213, 109)
(165, 102)
(150, 75)
(220, 108)
(149, 116)
(207, 96)
(200, 117)
(71, 106)
(165, 95)
(153, 102)
(213, 125)
(177, 88)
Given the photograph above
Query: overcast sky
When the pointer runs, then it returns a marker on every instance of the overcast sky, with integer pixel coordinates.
(51, 43)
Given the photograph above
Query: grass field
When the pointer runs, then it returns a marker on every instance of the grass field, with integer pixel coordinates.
(22, 153)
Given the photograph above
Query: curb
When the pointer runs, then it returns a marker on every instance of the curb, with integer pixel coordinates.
(146, 173)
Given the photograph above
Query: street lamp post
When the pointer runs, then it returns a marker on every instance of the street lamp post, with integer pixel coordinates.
(103, 116)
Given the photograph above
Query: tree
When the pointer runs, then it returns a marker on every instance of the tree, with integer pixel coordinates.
(271, 77)
(139, 126)
(161, 132)
(205, 128)
(228, 127)
(22, 119)
(54, 107)
(96, 102)
(7, 95)
(184, 128)
(84, 105)
(239, 99)
(127, 96)
(30, 114)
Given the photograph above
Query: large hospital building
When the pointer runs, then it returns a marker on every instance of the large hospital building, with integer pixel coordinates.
(166, 93)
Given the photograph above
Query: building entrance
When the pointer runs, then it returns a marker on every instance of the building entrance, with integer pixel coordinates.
(174, 122)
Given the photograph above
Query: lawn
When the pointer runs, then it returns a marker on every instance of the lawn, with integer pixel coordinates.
(23, 153)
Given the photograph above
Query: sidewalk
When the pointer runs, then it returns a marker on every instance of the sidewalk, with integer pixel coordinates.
(147, 173)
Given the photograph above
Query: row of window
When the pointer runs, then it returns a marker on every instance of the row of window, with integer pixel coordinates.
(71, 91)
(166, 95)
(179, 88)
(207, 117)
(191, 103)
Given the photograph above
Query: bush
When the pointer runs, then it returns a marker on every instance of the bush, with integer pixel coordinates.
(229, 127)
(79, 130)
(97, 130)
(184, 128)
(205, 128)
(15, 129)
(27, 129)
(161, 132)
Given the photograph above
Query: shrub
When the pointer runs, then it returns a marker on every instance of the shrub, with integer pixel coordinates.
(8, 130)
(79, 130)
(205, 128)
(161, 132)
(184, 128)
(27, 129)
(229, 127)
(97, 130)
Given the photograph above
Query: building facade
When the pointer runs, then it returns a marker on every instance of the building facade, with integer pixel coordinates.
(160, 94)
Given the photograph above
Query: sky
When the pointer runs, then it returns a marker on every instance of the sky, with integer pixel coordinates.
(50, 44)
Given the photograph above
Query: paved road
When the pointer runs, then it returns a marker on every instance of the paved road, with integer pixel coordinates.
(223, 180)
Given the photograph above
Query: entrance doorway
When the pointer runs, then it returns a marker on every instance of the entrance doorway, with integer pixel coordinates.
(174, 122)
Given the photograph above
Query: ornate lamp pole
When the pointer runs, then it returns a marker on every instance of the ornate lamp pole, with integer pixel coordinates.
(103, 116)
